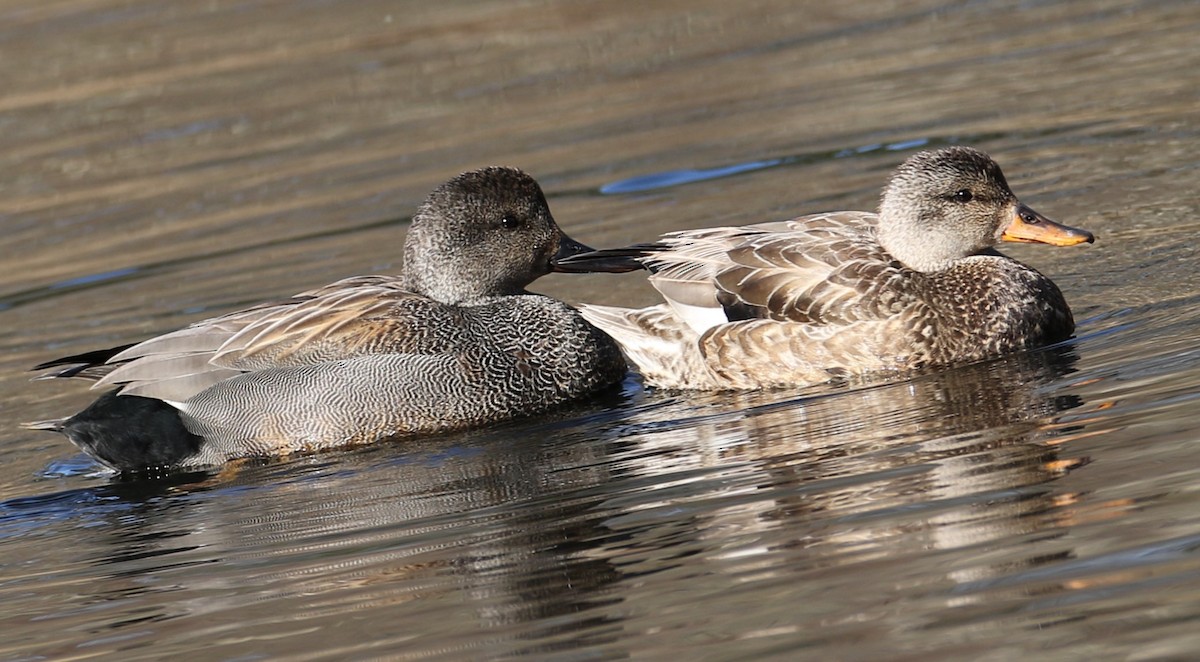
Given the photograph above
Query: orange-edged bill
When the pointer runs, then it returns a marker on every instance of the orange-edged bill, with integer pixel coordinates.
(1030, 227)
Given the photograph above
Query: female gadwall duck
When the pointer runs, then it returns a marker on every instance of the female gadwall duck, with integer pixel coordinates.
(799, 302)
(454, 342)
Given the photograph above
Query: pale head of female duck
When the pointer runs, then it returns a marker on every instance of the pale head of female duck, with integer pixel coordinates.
(945, 205)
(485, 233)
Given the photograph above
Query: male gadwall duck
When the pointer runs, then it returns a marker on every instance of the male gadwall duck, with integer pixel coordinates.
(799, 302)
(454, 342)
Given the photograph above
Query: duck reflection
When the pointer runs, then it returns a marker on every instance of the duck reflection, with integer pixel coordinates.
(945, 460)
(447, 543)
(549, 536)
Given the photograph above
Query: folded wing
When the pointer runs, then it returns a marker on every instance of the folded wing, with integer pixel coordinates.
(354, 317)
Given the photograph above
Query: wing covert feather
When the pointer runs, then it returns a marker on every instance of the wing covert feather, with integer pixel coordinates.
(826, 269)
(353, 317)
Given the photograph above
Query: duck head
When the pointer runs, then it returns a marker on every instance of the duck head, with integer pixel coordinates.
(487, 232)
(944, 205)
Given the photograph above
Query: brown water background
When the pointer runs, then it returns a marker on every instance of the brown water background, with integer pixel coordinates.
(165, 161)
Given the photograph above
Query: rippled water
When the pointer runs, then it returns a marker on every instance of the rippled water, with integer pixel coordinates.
(164, 161)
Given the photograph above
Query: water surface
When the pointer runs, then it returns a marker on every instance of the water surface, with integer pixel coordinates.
(165, 161)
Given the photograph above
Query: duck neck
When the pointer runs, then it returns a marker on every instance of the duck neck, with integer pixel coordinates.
(440, 266)
(916, 248)
(458, 281)
(448, 284)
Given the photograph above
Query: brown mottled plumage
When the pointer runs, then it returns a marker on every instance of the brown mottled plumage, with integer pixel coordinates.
(798, 302)
(455, 341)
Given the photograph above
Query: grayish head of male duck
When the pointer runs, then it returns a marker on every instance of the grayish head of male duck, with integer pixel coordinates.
(800, 301)
(485, 233)
(454, 342)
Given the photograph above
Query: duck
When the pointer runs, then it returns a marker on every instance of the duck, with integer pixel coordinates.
(454, 341)
(832, 295)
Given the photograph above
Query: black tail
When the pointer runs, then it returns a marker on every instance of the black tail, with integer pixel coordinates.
(131, 434)
(609, 260)
(79, 363)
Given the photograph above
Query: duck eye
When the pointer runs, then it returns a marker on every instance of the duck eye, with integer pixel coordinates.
(509, 222)
(963, 195)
